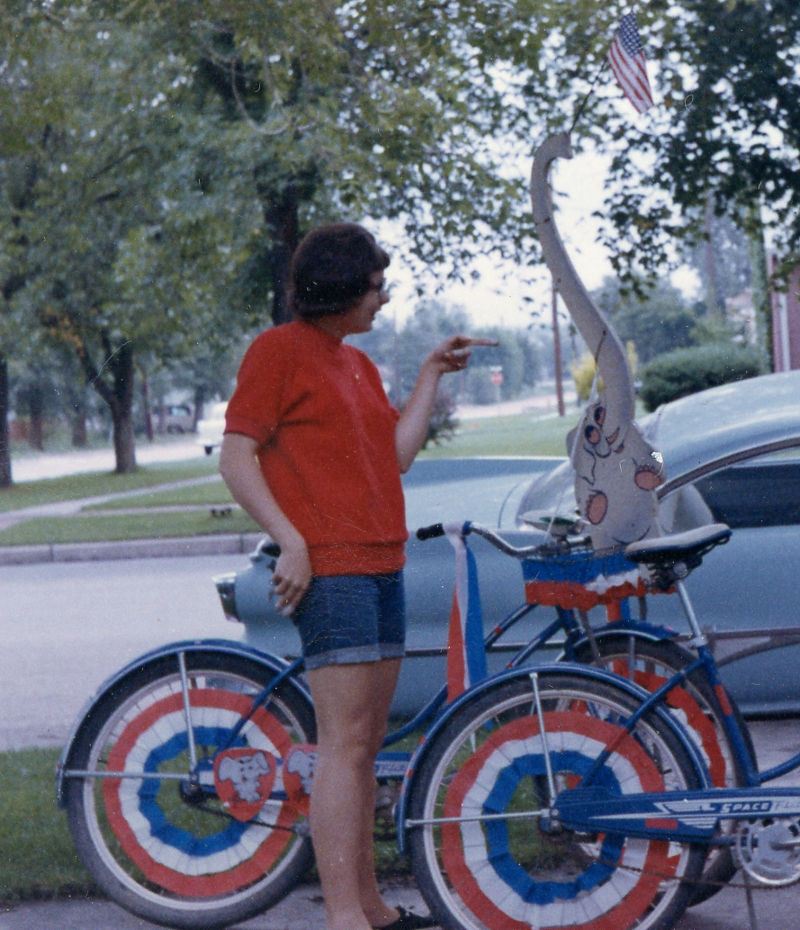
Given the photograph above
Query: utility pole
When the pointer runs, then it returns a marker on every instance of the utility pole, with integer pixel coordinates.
(557, 349)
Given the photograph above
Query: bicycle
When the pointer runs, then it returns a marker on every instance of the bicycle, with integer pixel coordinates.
(186, 777)
(562, 798)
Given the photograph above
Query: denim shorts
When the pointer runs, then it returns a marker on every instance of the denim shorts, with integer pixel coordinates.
(352, 618)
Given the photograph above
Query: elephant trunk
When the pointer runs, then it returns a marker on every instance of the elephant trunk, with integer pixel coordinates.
(600, 338)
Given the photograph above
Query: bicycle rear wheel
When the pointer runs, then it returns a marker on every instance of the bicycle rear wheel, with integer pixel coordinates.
(484, 851)
(150, 827)
(650, 664)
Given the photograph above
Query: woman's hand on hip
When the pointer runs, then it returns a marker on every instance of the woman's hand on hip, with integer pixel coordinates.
(292, 577)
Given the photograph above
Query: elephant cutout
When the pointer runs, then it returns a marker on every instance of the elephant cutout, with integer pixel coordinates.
(616, 474)
(244, 778)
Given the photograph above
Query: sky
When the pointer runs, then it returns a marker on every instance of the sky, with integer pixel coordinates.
(497, 298)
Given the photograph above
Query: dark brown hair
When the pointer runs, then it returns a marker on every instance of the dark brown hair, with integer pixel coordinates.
(331, 269)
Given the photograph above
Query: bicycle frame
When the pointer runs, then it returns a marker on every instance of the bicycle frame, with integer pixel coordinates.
(687, 816)
(389, 765)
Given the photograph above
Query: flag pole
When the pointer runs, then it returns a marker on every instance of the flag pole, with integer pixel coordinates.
(582, 105)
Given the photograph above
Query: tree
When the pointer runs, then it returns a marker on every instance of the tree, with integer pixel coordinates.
(361, 110)
(225, 130)
(727, 133)
(99, 158)
(657, 322)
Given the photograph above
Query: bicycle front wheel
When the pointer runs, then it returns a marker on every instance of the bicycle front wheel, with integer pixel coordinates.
(146, 819)
(484, 848)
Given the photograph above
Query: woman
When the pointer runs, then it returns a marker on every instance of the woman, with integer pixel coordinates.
(313, 451)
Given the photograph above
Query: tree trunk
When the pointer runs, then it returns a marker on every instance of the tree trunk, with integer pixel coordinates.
(759, 283)
(122, 410)
(118, 396)
(35, 397)
(199, 405)
(282, 227)
(148, 411)
(5, 447)
(557, 360)
(716, 307)
(124, 439)
(80, 438)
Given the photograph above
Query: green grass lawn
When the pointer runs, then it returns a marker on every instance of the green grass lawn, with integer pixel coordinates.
(137, 515)
(523, 434)
(36, 853)
(94, 484)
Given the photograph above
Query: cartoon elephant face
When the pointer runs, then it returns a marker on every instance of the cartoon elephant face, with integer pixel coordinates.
(244, 772)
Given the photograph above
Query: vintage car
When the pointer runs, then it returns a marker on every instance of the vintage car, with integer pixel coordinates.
(211, 427)
(731, 454)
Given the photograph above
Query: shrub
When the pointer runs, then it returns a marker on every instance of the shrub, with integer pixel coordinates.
(686, 371)
(443, 423)
(583, 371)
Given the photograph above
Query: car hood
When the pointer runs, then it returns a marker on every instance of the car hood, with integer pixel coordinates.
(695, 435)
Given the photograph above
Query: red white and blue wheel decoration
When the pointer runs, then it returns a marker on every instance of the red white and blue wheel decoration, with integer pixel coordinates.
(154, 827)
(619, 877)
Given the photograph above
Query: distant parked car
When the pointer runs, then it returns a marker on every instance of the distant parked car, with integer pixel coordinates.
(731, 454)
(173, 418)
(211, 427)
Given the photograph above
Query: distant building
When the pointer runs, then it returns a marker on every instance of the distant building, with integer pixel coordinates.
(786, 325)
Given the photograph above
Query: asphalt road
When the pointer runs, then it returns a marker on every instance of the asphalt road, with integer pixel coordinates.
(66, 627)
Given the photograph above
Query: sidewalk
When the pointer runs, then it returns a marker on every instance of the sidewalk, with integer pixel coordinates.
(300, 910)
(99, 460)
(77, 461)
(775, 909)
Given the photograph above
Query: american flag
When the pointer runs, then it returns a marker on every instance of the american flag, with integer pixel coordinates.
(626, 57)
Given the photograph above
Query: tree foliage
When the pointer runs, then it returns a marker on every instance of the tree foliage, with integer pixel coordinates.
(657, 322)
(159, 161)
(727, 127)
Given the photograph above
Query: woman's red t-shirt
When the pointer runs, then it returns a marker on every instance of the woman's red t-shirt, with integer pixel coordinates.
(326, 436)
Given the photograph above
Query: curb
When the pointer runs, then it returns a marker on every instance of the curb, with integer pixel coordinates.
(223, 544)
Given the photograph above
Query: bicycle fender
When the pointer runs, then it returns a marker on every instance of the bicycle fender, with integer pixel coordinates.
(272, 664)
(586, 671)
(638, 628)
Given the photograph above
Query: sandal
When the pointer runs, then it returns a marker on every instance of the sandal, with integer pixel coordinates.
(409, 921)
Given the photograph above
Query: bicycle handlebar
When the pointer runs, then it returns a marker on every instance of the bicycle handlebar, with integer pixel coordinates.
(518, 552)
(430, 532)
(267, 547)
(434, 530)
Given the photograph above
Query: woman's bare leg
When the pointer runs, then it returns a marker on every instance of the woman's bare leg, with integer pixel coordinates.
(352, 704)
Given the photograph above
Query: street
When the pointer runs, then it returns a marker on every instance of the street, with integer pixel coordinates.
(66, 626)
